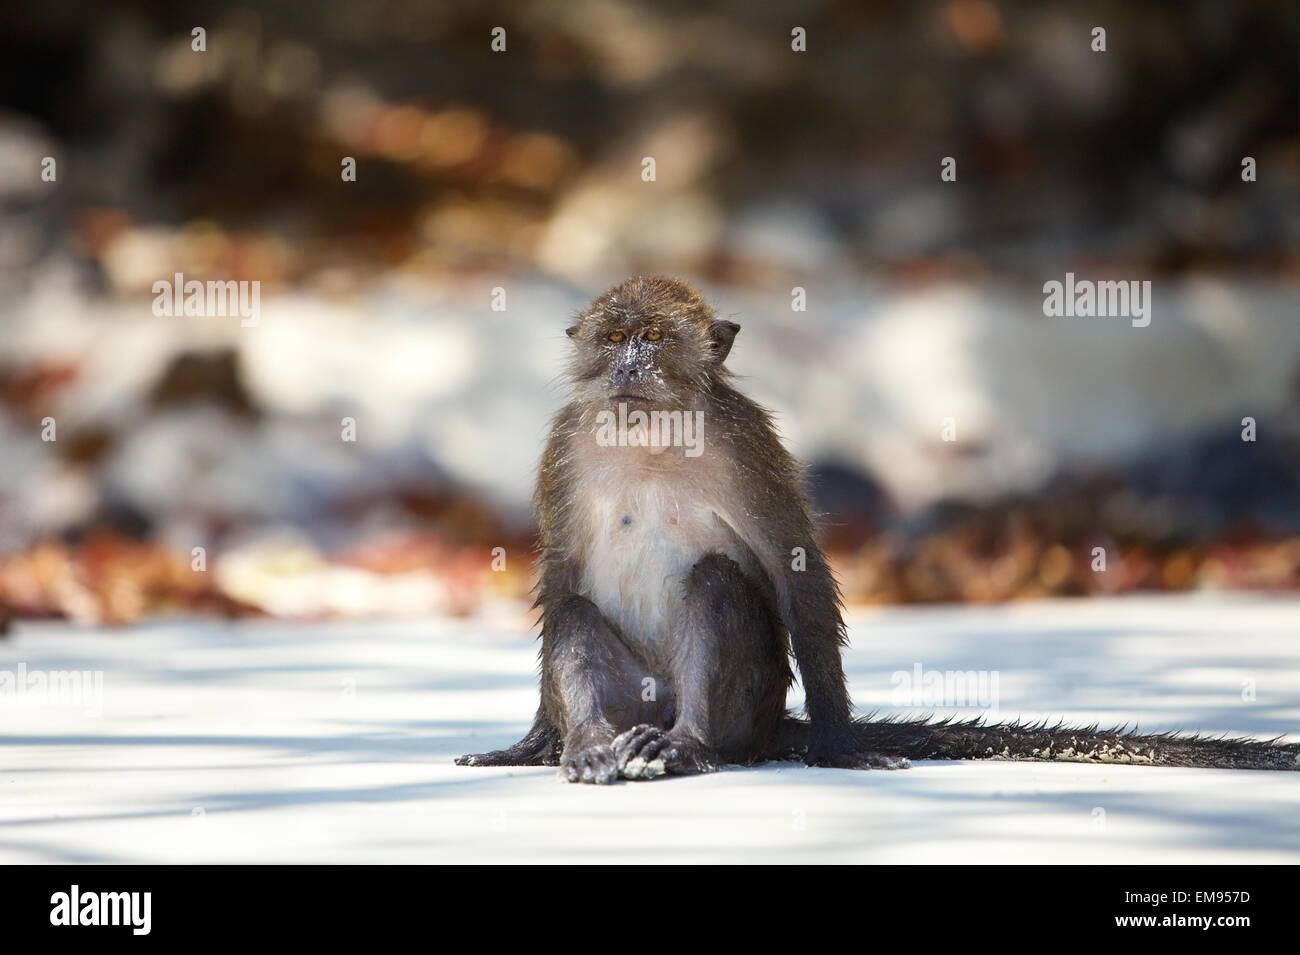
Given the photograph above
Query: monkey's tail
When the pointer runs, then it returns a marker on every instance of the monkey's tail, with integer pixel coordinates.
(975, 739)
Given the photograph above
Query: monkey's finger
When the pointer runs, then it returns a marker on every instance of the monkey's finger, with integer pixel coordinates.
(655, 746)
(632, 744)
(636, 732)
(630, 738)
(598, 766)
(647, 762)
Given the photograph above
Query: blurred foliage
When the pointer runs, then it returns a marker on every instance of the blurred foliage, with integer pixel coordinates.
(226, 164)
(474, 159)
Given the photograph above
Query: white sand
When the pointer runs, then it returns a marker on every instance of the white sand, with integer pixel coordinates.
(332, 742)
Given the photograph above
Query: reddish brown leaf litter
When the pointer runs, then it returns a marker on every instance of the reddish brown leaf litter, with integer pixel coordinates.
(112, 579)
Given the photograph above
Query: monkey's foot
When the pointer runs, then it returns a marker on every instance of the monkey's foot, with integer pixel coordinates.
(521, 754)
(845, 752)
(595, 764)
(646, 751)
(500, 757)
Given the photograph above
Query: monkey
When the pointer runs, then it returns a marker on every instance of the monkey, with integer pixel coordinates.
(678, 579)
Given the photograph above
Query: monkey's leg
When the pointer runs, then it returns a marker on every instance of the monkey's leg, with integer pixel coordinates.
(591, 688)
(729, 672)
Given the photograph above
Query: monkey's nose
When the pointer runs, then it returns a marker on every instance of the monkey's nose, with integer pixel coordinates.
(626, 373)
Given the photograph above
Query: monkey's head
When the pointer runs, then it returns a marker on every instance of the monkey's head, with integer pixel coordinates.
(651, 341)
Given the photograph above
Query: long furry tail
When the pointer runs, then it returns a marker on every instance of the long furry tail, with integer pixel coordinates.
(974, 739)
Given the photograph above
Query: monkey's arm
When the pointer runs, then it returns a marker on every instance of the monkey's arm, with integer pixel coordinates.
(781, 531)
(543, 743)
(808, 600)
(810, 607)
(558, 576)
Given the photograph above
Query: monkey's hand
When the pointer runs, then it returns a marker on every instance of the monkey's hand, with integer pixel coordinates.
(842, 750)
(592, 764)
(645, 751)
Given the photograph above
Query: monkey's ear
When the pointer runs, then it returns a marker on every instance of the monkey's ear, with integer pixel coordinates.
(722, 333)
(571, 330)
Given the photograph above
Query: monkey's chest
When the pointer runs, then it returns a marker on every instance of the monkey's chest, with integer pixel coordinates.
(642, 543)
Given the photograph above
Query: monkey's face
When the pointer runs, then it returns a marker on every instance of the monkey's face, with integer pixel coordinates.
(650, 341)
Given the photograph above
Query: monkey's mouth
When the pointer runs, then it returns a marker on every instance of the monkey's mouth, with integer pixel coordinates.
(628, 398)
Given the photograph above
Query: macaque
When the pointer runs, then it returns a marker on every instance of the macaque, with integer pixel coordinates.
(680, 574)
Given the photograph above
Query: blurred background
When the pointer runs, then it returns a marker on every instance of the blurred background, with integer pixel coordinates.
(521, 171)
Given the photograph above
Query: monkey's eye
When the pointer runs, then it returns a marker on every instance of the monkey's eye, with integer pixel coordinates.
(616, 336)
(653, 335)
